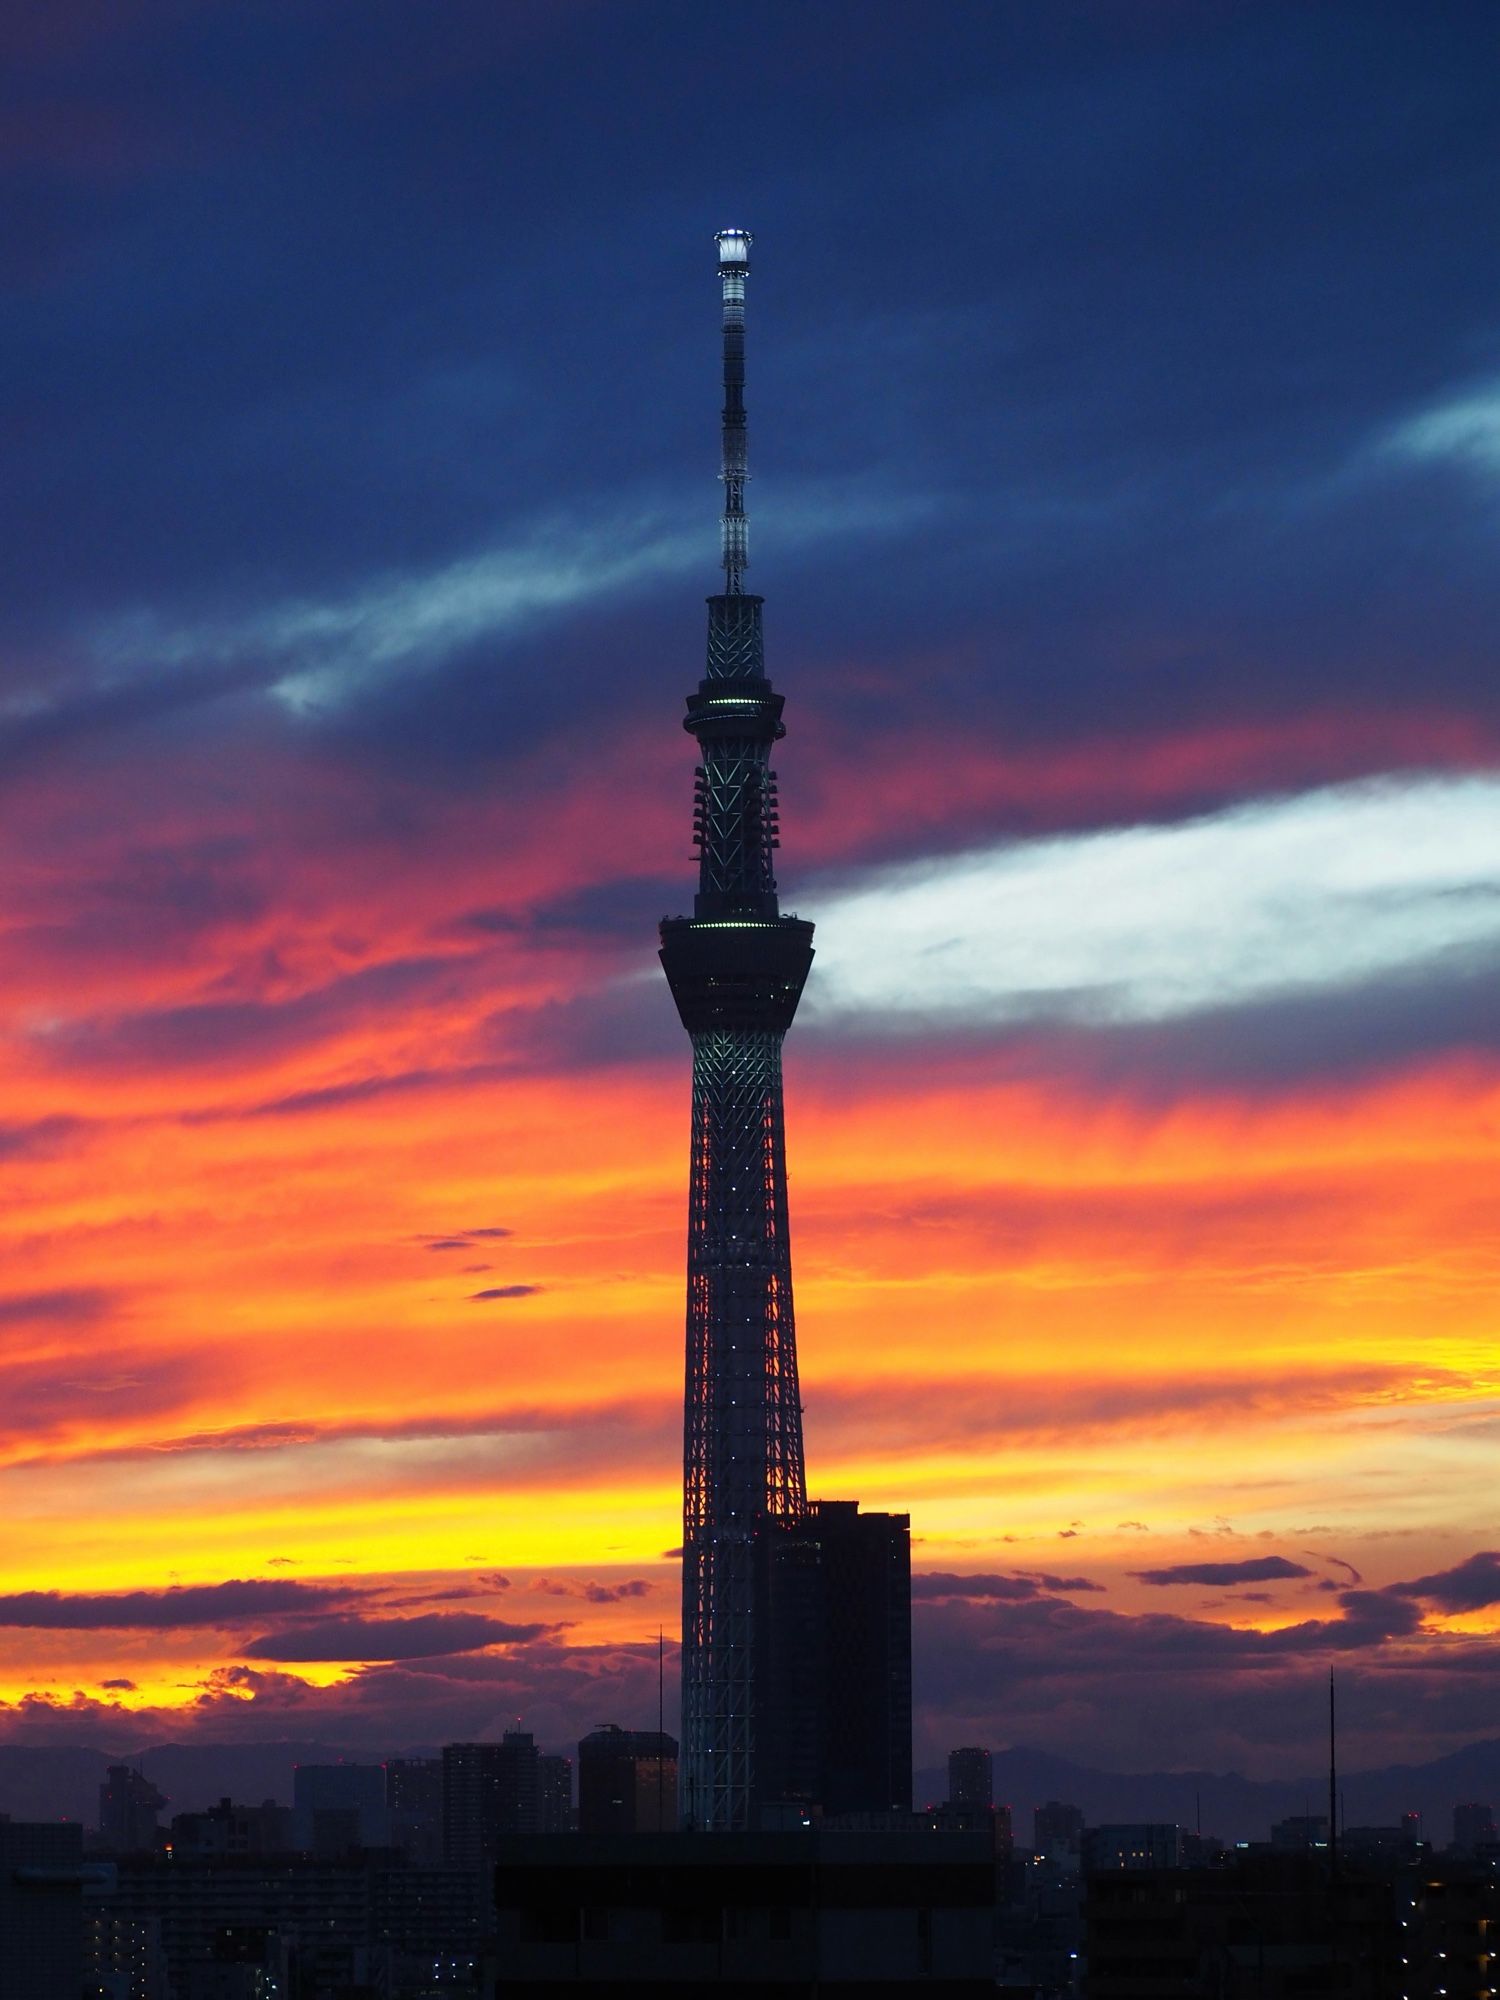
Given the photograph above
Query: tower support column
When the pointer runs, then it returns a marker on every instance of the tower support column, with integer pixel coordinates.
(742, 1459)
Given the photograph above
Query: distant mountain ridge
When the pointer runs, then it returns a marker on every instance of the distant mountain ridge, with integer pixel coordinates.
(61, 1781)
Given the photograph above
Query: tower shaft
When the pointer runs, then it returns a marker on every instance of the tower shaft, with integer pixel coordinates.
(736, 969)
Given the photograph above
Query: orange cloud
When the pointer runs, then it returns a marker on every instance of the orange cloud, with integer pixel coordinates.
(277, 1037)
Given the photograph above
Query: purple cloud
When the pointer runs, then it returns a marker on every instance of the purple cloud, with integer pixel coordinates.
(66, 1304)
(1256, 1569)
(165, 1610)
(1468, 1586)
(943, 1585)
(425, 1638)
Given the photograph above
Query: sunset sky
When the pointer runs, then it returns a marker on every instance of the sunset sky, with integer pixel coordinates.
(1124, 390)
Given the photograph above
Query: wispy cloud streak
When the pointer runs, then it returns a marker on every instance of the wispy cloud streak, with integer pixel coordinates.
(1465, 430)
(319, 650)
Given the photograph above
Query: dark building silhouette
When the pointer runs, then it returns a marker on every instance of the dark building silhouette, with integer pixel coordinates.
(993, 1822)
(971, 1778)
(760, 1913)
(122, 1955)
(1383, 1844)
(299, 1927)
(627, 1781)
(227, 1829)
(1300, 1834)
(128, 1806)
(1271, 1926)
(338, 1807)
(1473, 1826)
(414, 1805)
(1447, 1942)
(489, 1790)
(554, 1794)
(835, 1661)
(41, 1910)
(1133, 1845)
(781, 1703)
(1057, 1830)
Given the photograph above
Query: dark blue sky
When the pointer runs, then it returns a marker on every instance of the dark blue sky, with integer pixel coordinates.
(1082, 342)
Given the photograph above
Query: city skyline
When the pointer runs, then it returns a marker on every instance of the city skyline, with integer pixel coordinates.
(1126, 468)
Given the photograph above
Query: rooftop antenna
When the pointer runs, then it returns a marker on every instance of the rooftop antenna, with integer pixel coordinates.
(734, 529)
(661, 1718)
(1333, 1783)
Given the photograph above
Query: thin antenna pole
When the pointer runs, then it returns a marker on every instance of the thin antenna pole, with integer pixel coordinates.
(661, 1717)
(1335, 1941)
(734, 530)
(1333, 1782)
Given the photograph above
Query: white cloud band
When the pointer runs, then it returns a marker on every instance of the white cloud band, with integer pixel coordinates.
(1277, 898)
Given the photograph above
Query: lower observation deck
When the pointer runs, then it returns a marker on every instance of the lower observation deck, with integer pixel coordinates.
(729, 972)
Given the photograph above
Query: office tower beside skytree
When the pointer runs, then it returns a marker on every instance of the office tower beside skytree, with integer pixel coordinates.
(766, 1606)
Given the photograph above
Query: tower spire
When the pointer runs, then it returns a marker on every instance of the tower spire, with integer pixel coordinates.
(734, 528)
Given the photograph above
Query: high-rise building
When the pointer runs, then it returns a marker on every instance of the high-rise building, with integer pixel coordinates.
(41, 1910)
(1057, 1830)
(627, 1781)
(971, 1779)
(228, 1829)
(783, 1701)
(122, 1955)
(338, 1807)
(128, 1805)
(1138, 1844)
(1258, 1924)
(835, 1661)
(365, 1923)
(554, 1794)
(1473, 1825)
(489, 1789)
(414, 1801)
(1300, 1833)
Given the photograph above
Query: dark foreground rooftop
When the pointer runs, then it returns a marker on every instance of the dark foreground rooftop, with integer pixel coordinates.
(748, 1913)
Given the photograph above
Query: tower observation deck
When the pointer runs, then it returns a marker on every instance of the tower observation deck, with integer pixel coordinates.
(736, 969)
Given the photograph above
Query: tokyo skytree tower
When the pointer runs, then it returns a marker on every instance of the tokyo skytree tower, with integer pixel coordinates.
(736, 968)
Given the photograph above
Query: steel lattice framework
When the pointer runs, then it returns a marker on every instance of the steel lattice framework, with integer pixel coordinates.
(736, 969)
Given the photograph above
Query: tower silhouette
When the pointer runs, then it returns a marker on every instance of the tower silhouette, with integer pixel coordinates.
(736, 969)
